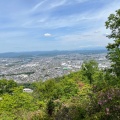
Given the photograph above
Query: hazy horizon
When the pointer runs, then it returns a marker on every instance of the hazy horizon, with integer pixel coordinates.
(89, 49)
(43, 25)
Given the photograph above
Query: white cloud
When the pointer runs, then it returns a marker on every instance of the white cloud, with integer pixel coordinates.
(86, 28)
(47, 5)
(74, 19)
(47, 35)
(56, 4)
(38, 5)
(85, 38)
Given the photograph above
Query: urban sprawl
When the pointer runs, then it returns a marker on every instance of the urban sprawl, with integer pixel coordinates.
(30, 69)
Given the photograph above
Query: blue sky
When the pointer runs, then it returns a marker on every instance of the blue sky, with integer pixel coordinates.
(43, 25)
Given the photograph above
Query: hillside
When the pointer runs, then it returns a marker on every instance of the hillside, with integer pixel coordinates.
(85, 95)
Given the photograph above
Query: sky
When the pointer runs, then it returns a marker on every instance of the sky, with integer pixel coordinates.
(45, 25)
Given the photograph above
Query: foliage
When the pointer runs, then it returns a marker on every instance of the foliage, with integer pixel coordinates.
(89, 68)
(105, 105)
(71, 112)
(16, 103)
(7, 86)
(50, 107)
(113, 23)
(69, 97)
(55, 89)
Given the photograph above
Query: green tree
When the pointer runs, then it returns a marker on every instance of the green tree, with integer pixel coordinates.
(50, 107)
(7, 86)
(113, 23)
(17, 104)
(89, 68)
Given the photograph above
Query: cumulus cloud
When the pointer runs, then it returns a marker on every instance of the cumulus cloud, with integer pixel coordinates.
(47, 35)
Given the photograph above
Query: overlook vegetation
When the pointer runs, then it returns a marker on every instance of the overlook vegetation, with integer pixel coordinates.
(89, 94)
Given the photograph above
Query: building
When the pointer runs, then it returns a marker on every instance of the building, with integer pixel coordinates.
(28, 90)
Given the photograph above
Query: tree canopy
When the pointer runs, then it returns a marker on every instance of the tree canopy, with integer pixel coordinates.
(113, 23)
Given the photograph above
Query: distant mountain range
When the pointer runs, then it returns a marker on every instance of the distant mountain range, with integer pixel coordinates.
(48, 53)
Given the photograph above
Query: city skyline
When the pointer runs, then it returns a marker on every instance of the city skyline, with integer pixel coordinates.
(43, 25)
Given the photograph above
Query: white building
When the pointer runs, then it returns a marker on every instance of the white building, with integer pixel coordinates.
(28, 90)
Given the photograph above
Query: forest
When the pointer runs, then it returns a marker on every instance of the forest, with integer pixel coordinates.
(89, 94)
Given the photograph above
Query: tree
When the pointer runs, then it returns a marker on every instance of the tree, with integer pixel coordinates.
(89, 68)
(50, 107)
(7, 86)
(113, 23)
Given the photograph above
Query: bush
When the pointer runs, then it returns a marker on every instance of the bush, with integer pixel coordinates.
(105, 105)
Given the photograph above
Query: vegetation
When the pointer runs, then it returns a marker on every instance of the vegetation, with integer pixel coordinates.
(113, 24)
(89, 94)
